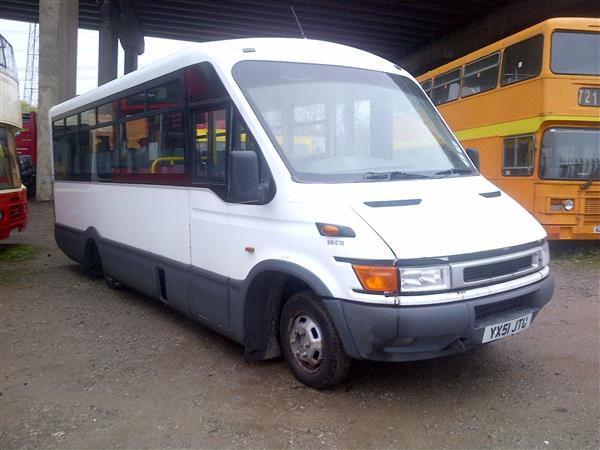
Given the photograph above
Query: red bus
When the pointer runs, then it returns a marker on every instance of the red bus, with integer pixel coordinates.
(27, 137)
(13, 196)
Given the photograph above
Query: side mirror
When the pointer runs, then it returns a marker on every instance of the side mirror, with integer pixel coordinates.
(473, 155)
(243, 177)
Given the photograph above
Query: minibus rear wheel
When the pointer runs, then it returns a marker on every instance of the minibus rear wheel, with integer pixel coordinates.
(310, 343)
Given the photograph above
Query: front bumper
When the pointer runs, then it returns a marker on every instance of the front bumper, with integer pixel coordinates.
(383, 333)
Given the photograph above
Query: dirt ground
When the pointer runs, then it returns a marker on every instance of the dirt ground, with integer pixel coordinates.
(83, 366)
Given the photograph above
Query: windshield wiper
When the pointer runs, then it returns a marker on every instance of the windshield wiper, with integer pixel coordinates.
(455, 172)
(374, 176)
(591, 178)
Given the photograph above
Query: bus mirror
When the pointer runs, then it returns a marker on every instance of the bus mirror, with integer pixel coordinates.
(473, 155)
(243, 177)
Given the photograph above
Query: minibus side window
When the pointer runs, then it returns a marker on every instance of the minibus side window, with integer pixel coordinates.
(71, 150)
(242, 139)
(210, 145)
(107, 112)
(152, 149)
(103, 146)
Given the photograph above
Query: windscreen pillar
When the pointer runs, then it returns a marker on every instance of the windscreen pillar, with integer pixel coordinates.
(57, 77)
(108, 40)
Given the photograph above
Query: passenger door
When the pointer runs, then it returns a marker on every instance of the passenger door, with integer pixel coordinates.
(209, 221)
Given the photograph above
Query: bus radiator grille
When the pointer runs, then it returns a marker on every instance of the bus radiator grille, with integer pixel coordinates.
(487, 271)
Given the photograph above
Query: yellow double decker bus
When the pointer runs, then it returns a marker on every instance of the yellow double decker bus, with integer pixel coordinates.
(530, 104)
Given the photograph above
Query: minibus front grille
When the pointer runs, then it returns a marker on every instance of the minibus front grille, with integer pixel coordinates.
(497, 269)
(483, 312)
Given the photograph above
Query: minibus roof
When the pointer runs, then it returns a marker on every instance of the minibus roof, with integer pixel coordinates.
(224, 54)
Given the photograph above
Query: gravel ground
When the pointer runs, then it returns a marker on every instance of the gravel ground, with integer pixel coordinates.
(86, 367)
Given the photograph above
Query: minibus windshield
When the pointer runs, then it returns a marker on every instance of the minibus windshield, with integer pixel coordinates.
(342, 124)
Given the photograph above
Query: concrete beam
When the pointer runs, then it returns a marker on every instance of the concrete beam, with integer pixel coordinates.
(503, 22)
(108, 40)
(57, 77)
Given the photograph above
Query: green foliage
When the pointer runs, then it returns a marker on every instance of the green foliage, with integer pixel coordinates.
(16, 252)
(26, 107)
(576, 252)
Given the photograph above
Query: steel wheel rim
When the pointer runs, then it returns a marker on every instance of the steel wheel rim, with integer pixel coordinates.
(306, 342)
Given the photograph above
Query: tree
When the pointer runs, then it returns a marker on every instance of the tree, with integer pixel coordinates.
(26, 107)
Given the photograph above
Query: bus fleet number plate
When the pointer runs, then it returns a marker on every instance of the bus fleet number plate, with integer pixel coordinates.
(589, 96)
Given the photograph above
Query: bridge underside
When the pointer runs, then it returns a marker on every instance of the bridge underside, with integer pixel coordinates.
(401, 31)
(416, 34)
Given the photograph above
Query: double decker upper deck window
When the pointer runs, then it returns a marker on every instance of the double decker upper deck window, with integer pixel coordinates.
(481, 75)
(522, 60)
(446, 87)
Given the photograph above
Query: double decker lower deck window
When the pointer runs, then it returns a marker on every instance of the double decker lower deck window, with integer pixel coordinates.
(518, 156)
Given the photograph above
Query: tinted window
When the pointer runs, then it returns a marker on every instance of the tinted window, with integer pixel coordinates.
(69, 162)
(210, 147)
(426, 85)
(575, 53)
(103, 146)
(134, 104)
(446, 87)
(153, 149)
(71, 123)
(133, 156)
(481, 75)
(166, 144)
(522, 60)
(164, 96)
(518, 156)
(88, 117)
(107, 112)
(58, 127)
(203, 83)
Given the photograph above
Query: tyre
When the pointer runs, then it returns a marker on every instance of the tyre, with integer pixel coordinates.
(113, 283)
(310, 344)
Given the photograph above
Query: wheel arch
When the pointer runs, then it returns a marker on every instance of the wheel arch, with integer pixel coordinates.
(268, 285)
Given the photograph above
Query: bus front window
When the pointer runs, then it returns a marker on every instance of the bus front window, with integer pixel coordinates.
(570, 154)
(576, 53)
(9, 172)
(342, 124)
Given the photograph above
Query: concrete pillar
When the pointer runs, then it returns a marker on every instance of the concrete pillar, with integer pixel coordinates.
(57, 77)
(108, 51)
(130, 35)
(131, 60)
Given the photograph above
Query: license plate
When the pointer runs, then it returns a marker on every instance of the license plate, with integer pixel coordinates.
(596, 229)
(589, 96)
(500, 330)
(13, 231)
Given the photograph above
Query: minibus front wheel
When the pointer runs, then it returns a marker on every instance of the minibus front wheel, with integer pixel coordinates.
(310, 343)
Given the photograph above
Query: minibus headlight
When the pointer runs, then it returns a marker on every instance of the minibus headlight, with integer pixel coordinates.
(418, 279)
(377, 278)
(545, 255)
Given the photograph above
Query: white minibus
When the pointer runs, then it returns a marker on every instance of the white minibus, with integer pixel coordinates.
(300, 197)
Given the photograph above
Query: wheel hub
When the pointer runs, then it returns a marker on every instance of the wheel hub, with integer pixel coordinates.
(306, 342)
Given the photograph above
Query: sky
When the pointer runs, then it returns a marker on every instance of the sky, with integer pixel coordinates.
(17, 34)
